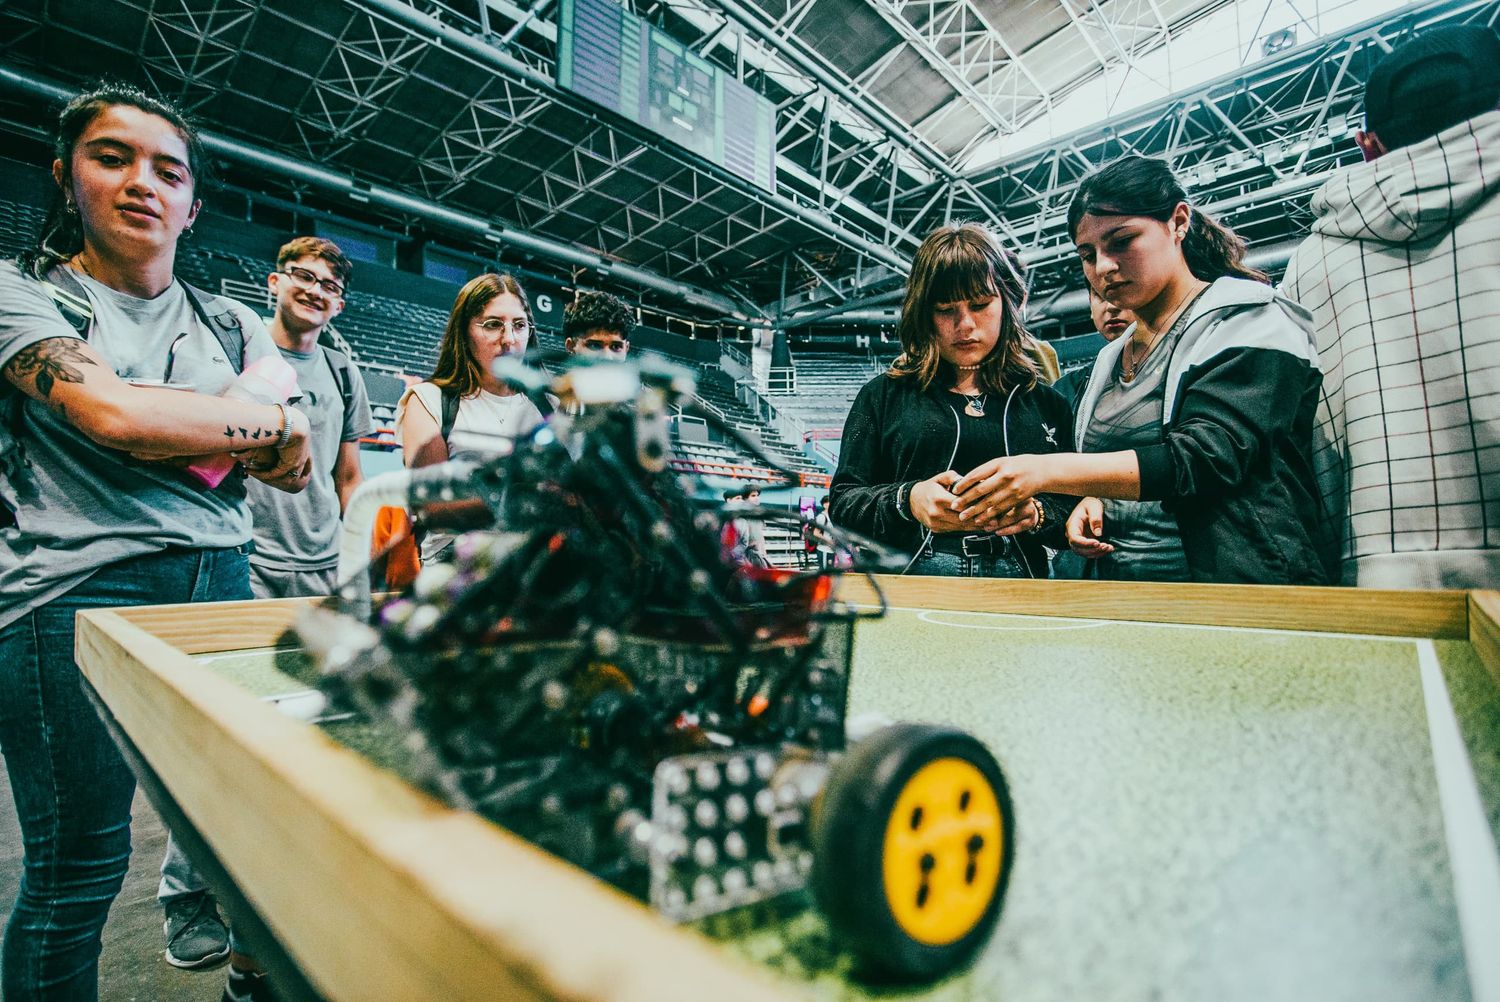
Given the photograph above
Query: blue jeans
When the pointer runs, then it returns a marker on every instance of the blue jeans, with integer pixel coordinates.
(71, 785)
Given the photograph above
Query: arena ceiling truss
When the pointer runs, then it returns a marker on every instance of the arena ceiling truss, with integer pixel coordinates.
(881, 107)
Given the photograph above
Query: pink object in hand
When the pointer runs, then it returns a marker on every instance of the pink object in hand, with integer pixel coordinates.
(267, 380)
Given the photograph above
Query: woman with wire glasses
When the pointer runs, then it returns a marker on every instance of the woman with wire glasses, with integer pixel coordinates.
(462, 411)
(965, 390)
(113, 371)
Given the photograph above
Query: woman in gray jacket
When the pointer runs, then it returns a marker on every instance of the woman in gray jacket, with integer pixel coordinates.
(1195, 433)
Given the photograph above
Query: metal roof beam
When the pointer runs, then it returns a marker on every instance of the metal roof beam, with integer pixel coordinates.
(329, 181)
(481, 50)
(923, 47)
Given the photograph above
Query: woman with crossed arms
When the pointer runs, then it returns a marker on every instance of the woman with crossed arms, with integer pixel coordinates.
(97, 510)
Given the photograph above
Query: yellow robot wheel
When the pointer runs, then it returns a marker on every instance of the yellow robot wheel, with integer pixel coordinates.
(913, 838)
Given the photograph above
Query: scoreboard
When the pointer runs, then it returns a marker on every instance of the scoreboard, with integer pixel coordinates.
(613, 58)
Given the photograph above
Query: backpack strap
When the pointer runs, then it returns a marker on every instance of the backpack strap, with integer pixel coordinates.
(224, 323)
(62, 286)
(343, 373)
(450, 411)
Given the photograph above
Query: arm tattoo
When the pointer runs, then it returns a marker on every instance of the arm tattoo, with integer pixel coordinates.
(254, 434)
(49, 362)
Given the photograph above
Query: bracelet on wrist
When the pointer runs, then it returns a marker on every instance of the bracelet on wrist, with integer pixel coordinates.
(286, 427)
(903, 499)
(1041, 515)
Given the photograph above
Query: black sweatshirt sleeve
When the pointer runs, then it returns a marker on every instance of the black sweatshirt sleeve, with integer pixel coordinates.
(1232, 410)
(859, 497)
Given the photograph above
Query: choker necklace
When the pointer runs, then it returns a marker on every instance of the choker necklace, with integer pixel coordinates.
(968, 368)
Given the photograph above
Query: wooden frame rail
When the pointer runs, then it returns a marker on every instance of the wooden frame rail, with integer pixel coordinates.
(435, 903)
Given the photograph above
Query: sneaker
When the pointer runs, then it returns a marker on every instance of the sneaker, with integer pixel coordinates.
(196, 936)
(247, 986)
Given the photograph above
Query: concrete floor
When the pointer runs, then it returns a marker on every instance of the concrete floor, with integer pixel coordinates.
(133, 968)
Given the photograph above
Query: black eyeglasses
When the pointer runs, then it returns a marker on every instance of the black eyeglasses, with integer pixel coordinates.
(306, 280)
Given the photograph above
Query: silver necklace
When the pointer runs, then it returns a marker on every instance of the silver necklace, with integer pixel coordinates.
(975, 405)
(1128, 364)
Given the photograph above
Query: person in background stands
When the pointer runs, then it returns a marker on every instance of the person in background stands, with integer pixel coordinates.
(102, 513)
(755, 532)
(821, 521)
(965, 390)
(463, 411)
(597, 323)
(1110, 321)
(296, 535)
(1402, 275)
(1198, 426)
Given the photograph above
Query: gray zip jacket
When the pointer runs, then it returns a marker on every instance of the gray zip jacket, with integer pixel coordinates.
(1236, 464)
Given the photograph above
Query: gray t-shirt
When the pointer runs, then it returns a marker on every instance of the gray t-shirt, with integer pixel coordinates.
(1128, 415)
(299, 532)
(78, 505)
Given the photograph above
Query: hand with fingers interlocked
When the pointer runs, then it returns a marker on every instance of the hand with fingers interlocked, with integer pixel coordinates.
(994, 490)
(931, 502)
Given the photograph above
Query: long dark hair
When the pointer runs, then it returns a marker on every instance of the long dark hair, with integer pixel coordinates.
(956, 263)
(1144, 186)
(61, 236)
(456, 366)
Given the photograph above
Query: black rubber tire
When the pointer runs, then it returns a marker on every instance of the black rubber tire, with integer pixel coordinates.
(848, 833)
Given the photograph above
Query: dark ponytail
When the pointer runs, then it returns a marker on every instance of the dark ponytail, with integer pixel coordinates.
(1144, 186)
(61, 236)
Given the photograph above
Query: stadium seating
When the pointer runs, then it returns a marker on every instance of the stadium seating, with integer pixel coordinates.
(717, 390)
(19, 223)
(826, 386)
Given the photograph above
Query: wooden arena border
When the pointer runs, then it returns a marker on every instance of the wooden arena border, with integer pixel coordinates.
(394, 896)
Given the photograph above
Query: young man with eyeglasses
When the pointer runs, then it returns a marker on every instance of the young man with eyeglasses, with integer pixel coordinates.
(296, 544)
(598, 324)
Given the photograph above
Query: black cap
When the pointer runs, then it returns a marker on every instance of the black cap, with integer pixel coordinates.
(1433, 82)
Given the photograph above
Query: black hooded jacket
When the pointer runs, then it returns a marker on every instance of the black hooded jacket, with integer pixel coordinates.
(898, 435)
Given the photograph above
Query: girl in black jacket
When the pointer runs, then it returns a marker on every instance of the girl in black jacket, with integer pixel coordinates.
(1200, 421)
(964, 391)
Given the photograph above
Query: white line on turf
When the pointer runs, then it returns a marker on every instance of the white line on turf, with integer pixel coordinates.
(1471, 845)
(1041, 625)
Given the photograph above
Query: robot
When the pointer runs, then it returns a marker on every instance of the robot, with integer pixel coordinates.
(597, 669)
